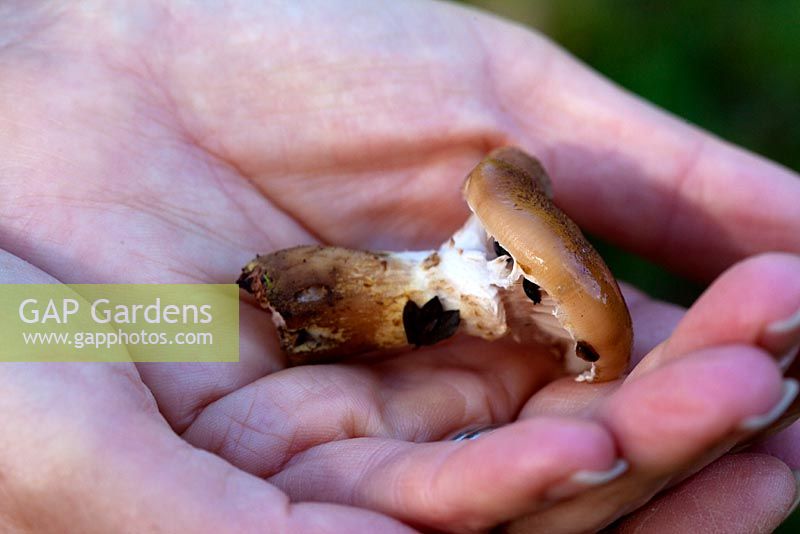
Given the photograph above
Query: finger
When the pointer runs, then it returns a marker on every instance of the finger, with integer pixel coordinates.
(756, 302)
(742, 306)
(674, 419)
(422, 396)
(739, 307)
(634, 174)
(743, 493)
(669, 416)
(454, 486)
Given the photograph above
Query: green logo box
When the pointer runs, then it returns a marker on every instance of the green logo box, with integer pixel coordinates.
(119, 322)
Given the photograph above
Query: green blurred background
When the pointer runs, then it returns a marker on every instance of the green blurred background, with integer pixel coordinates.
(732, 67)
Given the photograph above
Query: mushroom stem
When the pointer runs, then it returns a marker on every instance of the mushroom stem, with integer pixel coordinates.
(328, 302)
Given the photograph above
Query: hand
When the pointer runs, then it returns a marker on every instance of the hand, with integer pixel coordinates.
(84, 449)
(152, 142)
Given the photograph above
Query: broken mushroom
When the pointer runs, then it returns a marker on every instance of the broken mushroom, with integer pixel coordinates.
(519, 267)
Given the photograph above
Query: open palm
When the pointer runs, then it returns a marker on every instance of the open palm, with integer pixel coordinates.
(150, 142)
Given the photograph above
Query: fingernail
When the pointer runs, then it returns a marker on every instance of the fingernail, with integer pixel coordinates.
(782, 338)
(473, 433)
(759, 422)
(796, 501)
(584, 480)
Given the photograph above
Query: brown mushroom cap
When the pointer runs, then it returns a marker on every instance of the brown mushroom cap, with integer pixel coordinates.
(509, 193)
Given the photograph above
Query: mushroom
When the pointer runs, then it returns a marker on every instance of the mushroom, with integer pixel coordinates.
(519, 267)
(509, 192)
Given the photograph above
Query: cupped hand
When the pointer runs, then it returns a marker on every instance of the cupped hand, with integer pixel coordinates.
(169, 142)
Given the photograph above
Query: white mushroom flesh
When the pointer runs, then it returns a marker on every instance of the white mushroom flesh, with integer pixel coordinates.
(487, 291)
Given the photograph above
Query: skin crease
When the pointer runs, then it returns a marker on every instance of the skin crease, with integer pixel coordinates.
(167, 142)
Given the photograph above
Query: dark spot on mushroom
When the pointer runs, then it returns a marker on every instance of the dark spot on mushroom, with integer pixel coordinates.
(499, 250)
(430, 324)
(245, 281)
(532, 291)
(253, 279)
(302, 337)
(586, 352)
